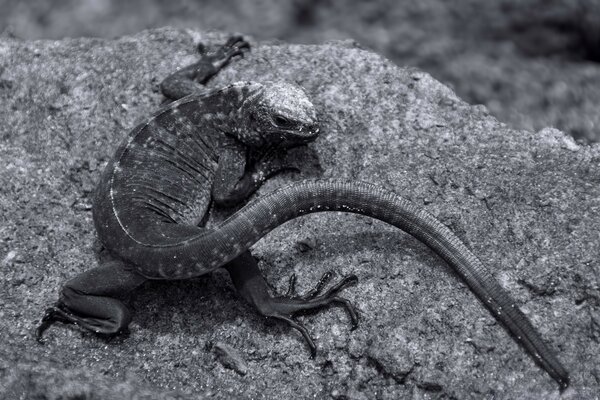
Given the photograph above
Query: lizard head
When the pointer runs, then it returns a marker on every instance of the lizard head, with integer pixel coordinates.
(282, 115)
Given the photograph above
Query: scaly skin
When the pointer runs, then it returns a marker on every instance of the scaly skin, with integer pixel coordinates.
(158, 188)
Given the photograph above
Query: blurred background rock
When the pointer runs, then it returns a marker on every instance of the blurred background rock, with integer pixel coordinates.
(533, 63)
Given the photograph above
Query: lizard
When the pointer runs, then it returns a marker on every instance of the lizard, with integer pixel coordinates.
(219, 146)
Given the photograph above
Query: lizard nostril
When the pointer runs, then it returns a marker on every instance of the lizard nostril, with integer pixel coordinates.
(313, 129)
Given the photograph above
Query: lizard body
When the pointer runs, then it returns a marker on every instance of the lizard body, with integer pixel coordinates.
(220, 145)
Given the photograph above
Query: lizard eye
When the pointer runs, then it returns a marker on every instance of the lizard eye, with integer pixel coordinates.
(282, 121)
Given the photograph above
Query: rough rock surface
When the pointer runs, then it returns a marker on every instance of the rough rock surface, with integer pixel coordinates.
(533, 63)
(527, 203)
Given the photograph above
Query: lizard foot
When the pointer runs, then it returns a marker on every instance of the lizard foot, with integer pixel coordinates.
(105, 323)
(235, 46)
(53, 314)
(283, 308)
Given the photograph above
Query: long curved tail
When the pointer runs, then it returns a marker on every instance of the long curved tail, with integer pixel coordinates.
(210, 249)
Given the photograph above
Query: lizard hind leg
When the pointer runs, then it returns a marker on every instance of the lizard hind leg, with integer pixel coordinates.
(185, 81)
(251, 285)
(92, 300)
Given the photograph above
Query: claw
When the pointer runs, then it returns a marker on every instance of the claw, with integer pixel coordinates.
(330, 296)
(45, 324)
(291, 286)
(347, 280)
(233, 40)
(233, 53)
(302, 330)
(347, 304)
(243, 45)
(235, 46)
(51, 315)
(235, 43)
(318, 287)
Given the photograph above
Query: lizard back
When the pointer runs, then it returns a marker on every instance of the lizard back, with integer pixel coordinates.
(162, 173)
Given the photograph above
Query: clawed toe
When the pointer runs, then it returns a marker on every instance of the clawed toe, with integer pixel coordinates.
(291, 286)
(341, 285)
(316, 291)
(284, 308)
(347, 304)
(235, 46)
(232, 53)
(51, 315)
(233, 40)
(237, 42)
(302, 329)
(325, 278)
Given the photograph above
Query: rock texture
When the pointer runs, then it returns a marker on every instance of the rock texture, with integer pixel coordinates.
(528, 203)
(533, 63)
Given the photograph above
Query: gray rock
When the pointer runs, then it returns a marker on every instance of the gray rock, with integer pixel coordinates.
(527, 203)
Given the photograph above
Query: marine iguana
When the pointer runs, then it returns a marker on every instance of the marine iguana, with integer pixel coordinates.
(220, 146)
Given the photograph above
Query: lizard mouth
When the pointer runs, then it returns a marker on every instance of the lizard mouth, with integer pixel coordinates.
(311, 130)
(292, 137)
(305, 134)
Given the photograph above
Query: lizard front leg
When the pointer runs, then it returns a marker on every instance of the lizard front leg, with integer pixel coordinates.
(189, 79)
(237, 178)
(251, 285)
